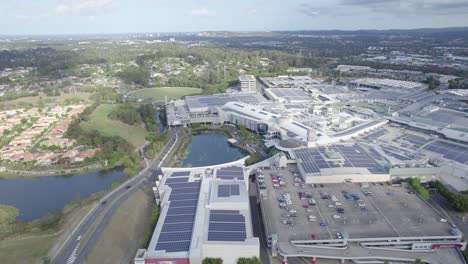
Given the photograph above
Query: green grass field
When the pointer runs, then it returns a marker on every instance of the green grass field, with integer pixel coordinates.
(107, 127)
(159, 93)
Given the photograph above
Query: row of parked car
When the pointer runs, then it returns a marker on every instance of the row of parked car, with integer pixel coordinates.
(357, 199)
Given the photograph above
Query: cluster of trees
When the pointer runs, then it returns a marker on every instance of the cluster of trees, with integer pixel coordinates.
(15, 95)
(253, 260)
(147, 113)
(125, 113)
(135, 75)
(425, 69)
(115, 149)
(416, 185)
(457, 201)
(155, 137)
(458, 84)
(432, 82)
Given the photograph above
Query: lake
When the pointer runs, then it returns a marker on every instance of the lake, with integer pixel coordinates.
(210, 148)
(36, 197)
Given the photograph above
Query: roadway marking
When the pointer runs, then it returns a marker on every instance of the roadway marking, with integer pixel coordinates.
(72, 257)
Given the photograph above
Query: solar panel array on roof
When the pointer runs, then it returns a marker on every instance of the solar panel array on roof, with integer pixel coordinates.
(230, 173)
(226, 225)
(240, 113)
(226, 190)
(291, 94)
(357, 128)
(176, 232)
(376, 135)
(176, 180)
(313, 159)
(222, 99)
(180, 174)
(451, 151)
(415, 141)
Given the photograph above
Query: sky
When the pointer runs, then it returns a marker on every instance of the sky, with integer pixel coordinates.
(24, 17)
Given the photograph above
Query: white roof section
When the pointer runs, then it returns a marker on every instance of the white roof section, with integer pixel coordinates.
(187, 238)
(387, 83)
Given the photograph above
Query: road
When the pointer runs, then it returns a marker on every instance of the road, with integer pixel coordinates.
(82, 240)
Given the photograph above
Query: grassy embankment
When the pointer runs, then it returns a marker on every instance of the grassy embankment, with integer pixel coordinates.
(139, 215)
(159, 94)
(36, 100)
(29, 242)
(99, 121)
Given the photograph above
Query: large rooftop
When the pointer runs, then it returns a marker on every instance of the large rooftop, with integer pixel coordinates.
(315, 160)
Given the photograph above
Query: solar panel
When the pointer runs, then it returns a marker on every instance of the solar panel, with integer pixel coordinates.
(181, 211)
(226, 236)
(177, 227)
(183, 185)
(176, 180)
(185, 196)
(186, 190)
(224, 211)
(183, 203)
(175, 236)
(235, 189)
(180, 174)
(224, 190)
(174, 246)
(179, 219)
(217, 226)
(227, 218)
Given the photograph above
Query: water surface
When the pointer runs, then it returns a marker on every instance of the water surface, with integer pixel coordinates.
(210, 148)
(36, 197)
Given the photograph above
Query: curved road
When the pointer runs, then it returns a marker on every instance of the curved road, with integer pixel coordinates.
(79, 244)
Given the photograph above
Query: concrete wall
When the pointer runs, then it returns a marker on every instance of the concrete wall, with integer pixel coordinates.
(424, 174)
(167, 260)
(343, 177)
(230, 252)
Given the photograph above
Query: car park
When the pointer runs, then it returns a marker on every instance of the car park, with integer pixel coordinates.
(311, 201)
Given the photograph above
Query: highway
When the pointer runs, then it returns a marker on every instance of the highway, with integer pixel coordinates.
(80, 243)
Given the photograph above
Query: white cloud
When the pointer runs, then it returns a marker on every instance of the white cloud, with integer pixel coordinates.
(83, 7)
(202, 12)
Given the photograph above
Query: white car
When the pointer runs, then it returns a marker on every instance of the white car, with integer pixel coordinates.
(336, 217)
(331, 206)
(337, 203)
(288, 202)
(443, 220)
(292, 211)
(362, 204)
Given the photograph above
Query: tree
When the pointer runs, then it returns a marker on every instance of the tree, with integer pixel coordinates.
(253, 260)
(419, 261)
(212, 261)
